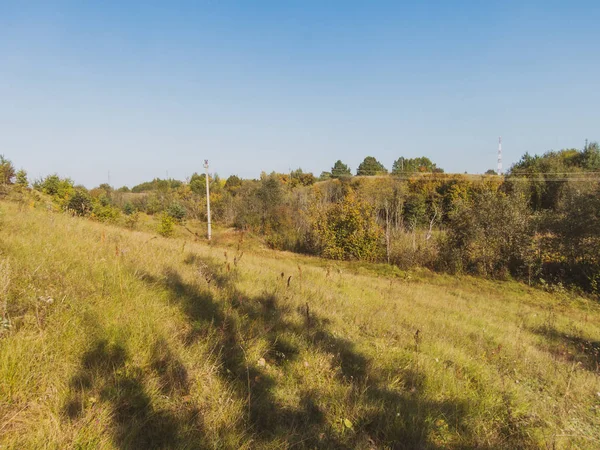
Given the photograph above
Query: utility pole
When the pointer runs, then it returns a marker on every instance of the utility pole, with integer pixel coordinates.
(209, 233)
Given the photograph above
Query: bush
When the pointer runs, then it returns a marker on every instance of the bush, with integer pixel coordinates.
(491, 235)
(105, 213)
(571, 242)
(53, 185)
(153, 204)
(128, 208)
(347, 230)
(131, 220)
(409, 249)
(177, 211)
(80, 203)
(166, 226)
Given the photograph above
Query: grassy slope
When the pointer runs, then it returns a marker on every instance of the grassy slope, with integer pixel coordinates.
(118, 340)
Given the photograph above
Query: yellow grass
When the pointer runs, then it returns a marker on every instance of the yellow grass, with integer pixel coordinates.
(121, 339)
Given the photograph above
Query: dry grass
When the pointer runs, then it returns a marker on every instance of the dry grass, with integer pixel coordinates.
(123, 339)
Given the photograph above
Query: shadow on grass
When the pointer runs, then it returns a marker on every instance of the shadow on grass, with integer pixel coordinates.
(236, 327)
(571, 348)
(107, 376)
(398, 418)
(172, 373)
(221, 275)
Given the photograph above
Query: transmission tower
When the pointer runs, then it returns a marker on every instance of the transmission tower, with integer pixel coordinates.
(500, 155)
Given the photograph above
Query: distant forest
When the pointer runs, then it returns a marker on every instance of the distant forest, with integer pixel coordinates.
(539, 223)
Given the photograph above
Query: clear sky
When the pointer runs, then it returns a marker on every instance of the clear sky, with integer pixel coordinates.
(145, 88)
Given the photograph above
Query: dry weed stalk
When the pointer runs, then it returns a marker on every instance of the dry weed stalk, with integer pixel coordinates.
(205, 272)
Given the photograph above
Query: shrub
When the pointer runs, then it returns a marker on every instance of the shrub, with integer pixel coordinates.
(153, 204)
(412, 248)
(105, 213)
(140, 203)
(131, 220)
(347, 230)
(61, 188)
(166, 226)
(80, 203)
(128, 208)
(491, 235)
(177, 211)
(571, 242)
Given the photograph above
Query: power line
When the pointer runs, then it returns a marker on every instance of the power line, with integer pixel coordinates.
(551, 179)
(555, 173)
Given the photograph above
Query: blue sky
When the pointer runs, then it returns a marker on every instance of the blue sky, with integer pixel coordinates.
(145, 88)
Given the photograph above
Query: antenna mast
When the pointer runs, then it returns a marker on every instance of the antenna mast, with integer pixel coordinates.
(500, 155)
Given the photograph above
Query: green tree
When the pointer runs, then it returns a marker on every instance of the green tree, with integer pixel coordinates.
(415, 210)
(270, 196)
(60, 188)
(545, 177)
(22, 180)
(198, 184)
(490, 172)
(414, 165)
(590, 157)
(340, 170)
(370, 166)
(298, 177)
(7, 171)
(157, 185)
(233, 184)
(106, 188)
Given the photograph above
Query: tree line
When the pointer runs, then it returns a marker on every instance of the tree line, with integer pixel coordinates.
(540, 223)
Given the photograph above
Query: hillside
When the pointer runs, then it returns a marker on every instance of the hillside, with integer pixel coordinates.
(122, 339)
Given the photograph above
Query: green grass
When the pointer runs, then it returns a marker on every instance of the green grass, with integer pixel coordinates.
(121, 339)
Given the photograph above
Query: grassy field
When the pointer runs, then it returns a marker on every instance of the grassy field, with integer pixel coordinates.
(120, 339)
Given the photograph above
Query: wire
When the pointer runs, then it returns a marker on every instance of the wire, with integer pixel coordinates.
(555, 173)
